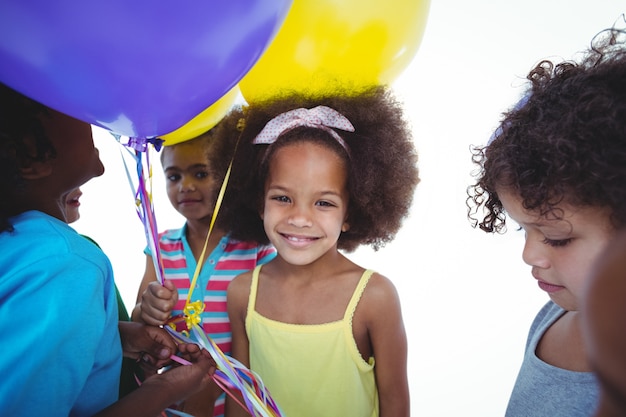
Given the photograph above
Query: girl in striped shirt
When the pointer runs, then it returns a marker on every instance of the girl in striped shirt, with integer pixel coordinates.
(194, 172)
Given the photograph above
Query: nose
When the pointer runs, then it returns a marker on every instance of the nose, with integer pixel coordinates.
(300, 217)
(534, 253)
(186, 184)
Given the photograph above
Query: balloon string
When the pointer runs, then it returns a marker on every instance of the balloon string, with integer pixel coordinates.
(218, 379)
(233, 375)
(196, 273)
(144, 202)
(226, 388)
(143, 198)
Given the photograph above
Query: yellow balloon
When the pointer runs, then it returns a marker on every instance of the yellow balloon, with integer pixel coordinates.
(205, 120)
(324, 44)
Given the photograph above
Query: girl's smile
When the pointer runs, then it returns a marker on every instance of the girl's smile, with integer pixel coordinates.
(305, 202)
(298, 241)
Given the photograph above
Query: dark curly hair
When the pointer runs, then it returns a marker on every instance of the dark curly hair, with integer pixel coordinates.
(22, 138)
(382, 163)
(564, 143)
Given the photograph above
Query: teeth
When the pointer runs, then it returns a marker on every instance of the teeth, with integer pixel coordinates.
(296, 239)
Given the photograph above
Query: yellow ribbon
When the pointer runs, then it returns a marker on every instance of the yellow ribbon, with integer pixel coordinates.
(192, 311)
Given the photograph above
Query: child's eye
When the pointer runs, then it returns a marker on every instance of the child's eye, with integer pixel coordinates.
(557, 242)
(202, 174)
(173, 177)
(325, 204)
(281, 199)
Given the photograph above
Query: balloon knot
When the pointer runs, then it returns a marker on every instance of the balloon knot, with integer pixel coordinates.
(141, 144)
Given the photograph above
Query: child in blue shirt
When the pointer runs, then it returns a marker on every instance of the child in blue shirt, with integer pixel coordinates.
(58, 310)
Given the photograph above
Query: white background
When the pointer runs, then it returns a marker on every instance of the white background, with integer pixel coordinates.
(467, 297)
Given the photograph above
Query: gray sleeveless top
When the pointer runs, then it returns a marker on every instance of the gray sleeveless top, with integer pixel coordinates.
(545, 390)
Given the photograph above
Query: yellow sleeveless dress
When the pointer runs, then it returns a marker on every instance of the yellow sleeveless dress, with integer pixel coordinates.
(312, 370)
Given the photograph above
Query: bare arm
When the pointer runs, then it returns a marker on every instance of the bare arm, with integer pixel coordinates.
(237, 300)
(389, 344)
(154, 301)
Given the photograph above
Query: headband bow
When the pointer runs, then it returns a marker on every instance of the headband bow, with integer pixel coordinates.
(320, 117)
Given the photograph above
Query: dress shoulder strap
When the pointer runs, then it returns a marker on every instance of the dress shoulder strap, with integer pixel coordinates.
(254, 285)
(356, 296)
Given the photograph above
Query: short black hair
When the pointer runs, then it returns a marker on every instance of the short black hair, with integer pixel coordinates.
(22, 138)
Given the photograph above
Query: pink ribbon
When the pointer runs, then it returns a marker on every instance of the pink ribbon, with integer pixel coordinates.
(320, 117)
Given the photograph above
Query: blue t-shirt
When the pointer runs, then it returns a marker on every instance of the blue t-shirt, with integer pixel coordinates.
(543, 390)
(61, 351)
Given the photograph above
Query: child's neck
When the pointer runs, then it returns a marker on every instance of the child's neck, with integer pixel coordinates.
(54, 207)
(562, 344)
(330, 264)
(316, 293)
(197, 237)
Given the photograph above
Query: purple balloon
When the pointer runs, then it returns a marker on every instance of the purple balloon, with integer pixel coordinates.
(136, 67)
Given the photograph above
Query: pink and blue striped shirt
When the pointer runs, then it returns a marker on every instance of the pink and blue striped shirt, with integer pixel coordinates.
(229, 259)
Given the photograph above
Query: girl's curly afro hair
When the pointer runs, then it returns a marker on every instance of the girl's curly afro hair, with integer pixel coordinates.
(382, 163)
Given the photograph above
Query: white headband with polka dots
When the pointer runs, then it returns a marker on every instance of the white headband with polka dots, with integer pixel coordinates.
(320, 117)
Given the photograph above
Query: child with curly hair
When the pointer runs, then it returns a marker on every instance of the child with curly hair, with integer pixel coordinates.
(194, 171)
(557, 167)
(325, 174)
(58, 312)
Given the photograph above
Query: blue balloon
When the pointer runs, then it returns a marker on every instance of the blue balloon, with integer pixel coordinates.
(135, 67)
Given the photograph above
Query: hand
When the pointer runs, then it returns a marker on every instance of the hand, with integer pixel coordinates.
(157, 302)
(184, 380)
(152, 345)
(167, 388)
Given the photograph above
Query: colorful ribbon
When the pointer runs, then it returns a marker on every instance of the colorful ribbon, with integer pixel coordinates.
(231, 375)
(139, 149)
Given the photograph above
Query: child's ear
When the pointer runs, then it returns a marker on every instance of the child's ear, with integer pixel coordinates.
(345, 227)
(34, 170)
(261, 207)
